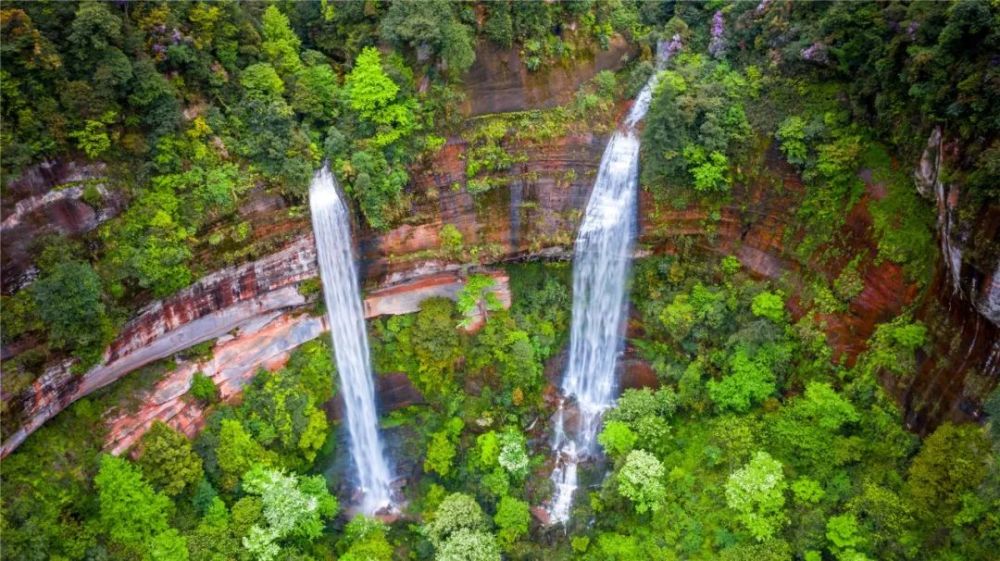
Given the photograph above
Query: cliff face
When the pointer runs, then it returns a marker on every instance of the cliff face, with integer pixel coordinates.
(256, 313)
(963, 311)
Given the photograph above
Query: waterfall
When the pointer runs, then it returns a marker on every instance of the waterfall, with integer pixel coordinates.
(331, 227)
(600, 269)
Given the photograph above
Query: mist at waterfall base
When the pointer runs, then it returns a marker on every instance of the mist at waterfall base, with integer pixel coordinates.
(601, 257)
(331, 227)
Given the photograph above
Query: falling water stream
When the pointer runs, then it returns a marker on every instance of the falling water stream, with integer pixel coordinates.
(600, 268)
(331, 227)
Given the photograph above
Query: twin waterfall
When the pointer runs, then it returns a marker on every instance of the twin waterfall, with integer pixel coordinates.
(600, 270)
(331, 226)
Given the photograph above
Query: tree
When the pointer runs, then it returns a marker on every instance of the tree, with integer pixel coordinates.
(809, 429)
(167, 460)
(513, 518)
(281, 44)
(953, 460)
(456, 512)
(132, 513)
(292, 507)
(203, 389)
(757, 493)
(442, 450)
(769, 305)
(366, 540)
(477, 297)
(237, 452)
(430, 25)
(369, 89)
(640, 480)
(315, 93)
(792, 135)
(69, 301)
(469, 545)
(749, 381)
(617, 439)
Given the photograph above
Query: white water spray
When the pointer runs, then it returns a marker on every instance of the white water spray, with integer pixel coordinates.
(331, 227)
(600, 268)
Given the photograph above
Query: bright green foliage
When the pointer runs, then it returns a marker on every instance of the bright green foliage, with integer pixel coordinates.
(280, 45)
(807, 491)
(952, 461)
(456, 512)
(69, 300)
(810, 428)
(237, 452)
(262, 80)
(845, 538)
(769, 305)
(132, 513)
(369, 89)
(315, 93)
(792, 135)
(366, 540)
(892, 347)
(696, 123)
(468, 545)
(750, 380)
(203, 389)
(708, 171)
(167, 460)
(92, 139)
(440, 454)
(293, 507)
(168, 546)
(640, 480)
(513, 455)
(756, 492)
(451, 241)
(284, 411)
(477, 297)
(617, 439)
(512, 519)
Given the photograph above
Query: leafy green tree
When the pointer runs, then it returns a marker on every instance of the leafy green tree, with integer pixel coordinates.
(769, 305)
(132, 513)
(953, 460)
(477, 297)
(69, 300)
(756, 492)
(369, 88)
(617, 439)
(281, 44)
(168, 546)
(810, 429)
(237, 452)
(167, 460)
(431, 25)
(203, 389)
(513, 456)
(456, 512)
(792, 135)
(441, 453)
(845, 537)
(750, 381)
(366, 540)
(293, 507)
(512, 519)
(640, 480)
(468, 545)
(315, 93)
(262, 81)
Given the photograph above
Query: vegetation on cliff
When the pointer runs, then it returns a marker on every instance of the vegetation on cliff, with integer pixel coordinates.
(745, 433)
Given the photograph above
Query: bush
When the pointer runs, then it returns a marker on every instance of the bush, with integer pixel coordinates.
(203, 389)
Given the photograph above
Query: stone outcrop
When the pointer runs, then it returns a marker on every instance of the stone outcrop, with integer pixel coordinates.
(48, 199)
(499, 80)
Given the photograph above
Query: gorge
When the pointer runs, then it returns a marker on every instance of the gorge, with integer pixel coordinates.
(803, 366)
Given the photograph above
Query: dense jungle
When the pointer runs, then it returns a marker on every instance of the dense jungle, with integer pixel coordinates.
(807, 212)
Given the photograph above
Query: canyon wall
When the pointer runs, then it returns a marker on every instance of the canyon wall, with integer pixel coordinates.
(257, 315)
